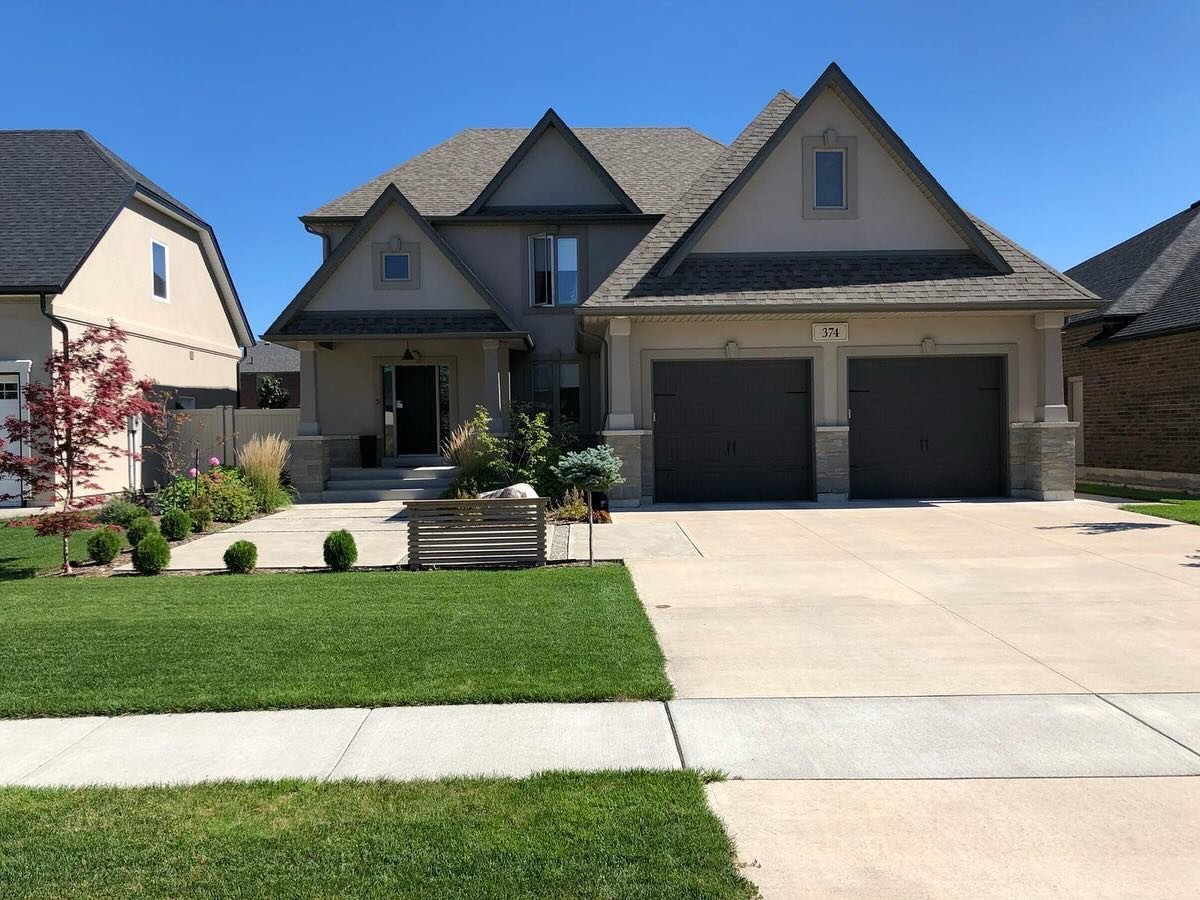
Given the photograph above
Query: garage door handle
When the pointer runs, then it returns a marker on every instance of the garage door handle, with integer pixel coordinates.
(735, 448)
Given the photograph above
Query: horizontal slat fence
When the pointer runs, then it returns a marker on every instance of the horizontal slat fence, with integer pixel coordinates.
(452, 533)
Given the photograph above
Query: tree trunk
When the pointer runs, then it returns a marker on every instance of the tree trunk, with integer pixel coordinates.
(591, 557)
(67, 554)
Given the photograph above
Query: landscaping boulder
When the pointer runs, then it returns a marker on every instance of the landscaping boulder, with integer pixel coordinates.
(512, 492)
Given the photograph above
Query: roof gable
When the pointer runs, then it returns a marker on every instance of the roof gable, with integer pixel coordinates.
(552, 167)
(391, 196)
(767, 139)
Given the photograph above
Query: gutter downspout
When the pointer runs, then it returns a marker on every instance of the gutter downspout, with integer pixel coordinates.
(61, 326)
(325, 241)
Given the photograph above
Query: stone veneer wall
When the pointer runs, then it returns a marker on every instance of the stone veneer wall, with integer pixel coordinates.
(636, 450)
(314, 455)
(1041, 460)
(831, 444)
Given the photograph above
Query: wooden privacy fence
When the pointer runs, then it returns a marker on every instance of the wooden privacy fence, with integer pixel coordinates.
(448, 533)
(219, 431)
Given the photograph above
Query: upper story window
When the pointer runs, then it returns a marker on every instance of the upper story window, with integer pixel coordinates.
(553, 270)
(829, 178)
(158, 266)
(397, 267)
(10, 387)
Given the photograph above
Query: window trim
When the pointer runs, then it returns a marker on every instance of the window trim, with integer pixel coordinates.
(579, 235)
(166, 297)
(395, 245)
(841, 153)
(830, 140)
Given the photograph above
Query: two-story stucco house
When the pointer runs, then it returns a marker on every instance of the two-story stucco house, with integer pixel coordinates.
(805, 314)
(85, 238)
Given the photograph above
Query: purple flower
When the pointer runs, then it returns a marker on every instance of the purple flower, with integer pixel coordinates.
(213, 461)
(193, 471)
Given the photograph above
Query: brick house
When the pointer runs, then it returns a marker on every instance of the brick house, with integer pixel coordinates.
(1133, 366)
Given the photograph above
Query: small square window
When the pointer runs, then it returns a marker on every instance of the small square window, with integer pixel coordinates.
(396, 267)
(158, 264)
(829, 179)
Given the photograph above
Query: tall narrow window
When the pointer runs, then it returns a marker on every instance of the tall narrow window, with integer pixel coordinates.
(568, 393)
(829, 174)
(543, 388)
(158, 265)
(553, 270)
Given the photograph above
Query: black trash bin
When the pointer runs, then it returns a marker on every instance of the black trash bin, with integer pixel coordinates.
(368, 450)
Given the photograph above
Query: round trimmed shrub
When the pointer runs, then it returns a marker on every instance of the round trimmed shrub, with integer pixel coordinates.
(151, 554)
(340, 550)
(241, 557)
(140, 528)
(103, 545)
(202, 518)
(175, 525)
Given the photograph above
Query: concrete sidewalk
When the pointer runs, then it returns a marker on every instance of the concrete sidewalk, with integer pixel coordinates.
(1045, 736)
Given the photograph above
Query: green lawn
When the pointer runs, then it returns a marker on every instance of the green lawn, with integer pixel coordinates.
(1164, 504)
(23, 554)
(74, 646)
(610, 835)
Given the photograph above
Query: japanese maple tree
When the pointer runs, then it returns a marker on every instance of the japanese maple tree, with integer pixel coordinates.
(71, 428)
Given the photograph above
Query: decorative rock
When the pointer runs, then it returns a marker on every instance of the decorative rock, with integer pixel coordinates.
(520, 491)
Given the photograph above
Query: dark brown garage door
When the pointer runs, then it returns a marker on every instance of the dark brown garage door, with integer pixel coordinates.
(927, 427)
(732, 430)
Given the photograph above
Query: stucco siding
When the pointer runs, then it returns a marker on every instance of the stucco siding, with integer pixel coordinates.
(552, 174)
(767, 215)
(24, 332)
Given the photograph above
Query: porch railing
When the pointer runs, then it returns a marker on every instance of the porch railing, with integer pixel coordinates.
(453, 533)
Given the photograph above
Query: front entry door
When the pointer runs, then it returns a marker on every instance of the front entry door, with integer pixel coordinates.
(411, 422)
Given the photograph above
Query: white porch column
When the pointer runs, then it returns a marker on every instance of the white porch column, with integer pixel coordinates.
(620, 390)
(310, 422)
(491, 382)
(1050, 404)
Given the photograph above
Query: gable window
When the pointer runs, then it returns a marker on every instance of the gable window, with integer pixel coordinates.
(158, 268)
(556, 392)
(397, 267)
(829, 178)
(553, 270)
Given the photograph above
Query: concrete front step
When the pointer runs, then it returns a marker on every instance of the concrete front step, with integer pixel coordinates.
(384, 484)
(361, 495)
(408, 462)
(413, 473)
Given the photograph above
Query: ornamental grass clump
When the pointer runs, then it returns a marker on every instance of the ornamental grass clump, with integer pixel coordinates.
(139, 529)
(340, 550)
(241, 557)
(103, 545)
(152, 554)
(175, 525)
(262, 460)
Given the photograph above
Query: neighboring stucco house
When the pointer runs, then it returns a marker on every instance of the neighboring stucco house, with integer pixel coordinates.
(1133, 366)
(265, 360)
(85, 238)
(803, 314)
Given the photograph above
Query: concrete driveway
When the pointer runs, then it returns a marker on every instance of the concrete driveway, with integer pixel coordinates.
(952, 699)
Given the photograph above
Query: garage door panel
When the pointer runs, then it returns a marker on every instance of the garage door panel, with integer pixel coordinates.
(732, 430)
(926, 427)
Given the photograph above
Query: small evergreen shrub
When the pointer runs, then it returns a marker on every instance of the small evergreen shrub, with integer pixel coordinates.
(103, 545)
(117, 511)
(151, 554)
(340, 550)
(202, 518)
(140, 528)
(175, 525)
(241, 557)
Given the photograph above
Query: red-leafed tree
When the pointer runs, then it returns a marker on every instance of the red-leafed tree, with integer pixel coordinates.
(70, 429)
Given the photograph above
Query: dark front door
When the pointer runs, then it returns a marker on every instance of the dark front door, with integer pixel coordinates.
(732, 430)
(927, 427)
(416, 407)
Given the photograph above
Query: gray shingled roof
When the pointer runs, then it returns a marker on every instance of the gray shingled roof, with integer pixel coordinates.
(816, 280)
(267, 357)
(393, 324)
(1152, 279)
(654, 166)
(59, 190)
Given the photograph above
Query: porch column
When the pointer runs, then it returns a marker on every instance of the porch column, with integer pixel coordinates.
(309, 421)
(1050, 404)
(491, 382)
(620, 390)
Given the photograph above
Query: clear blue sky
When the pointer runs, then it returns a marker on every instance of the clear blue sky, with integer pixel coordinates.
(1070, 126)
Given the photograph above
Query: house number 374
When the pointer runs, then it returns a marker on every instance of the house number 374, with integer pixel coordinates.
(825, 332)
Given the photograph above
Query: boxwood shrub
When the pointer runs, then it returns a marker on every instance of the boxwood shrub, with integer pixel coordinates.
(103, 545)
(140, 528)
(201, 518)
(175, 524)
(151, 554)
(241, 557)
(340, 550)
(117, 511)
